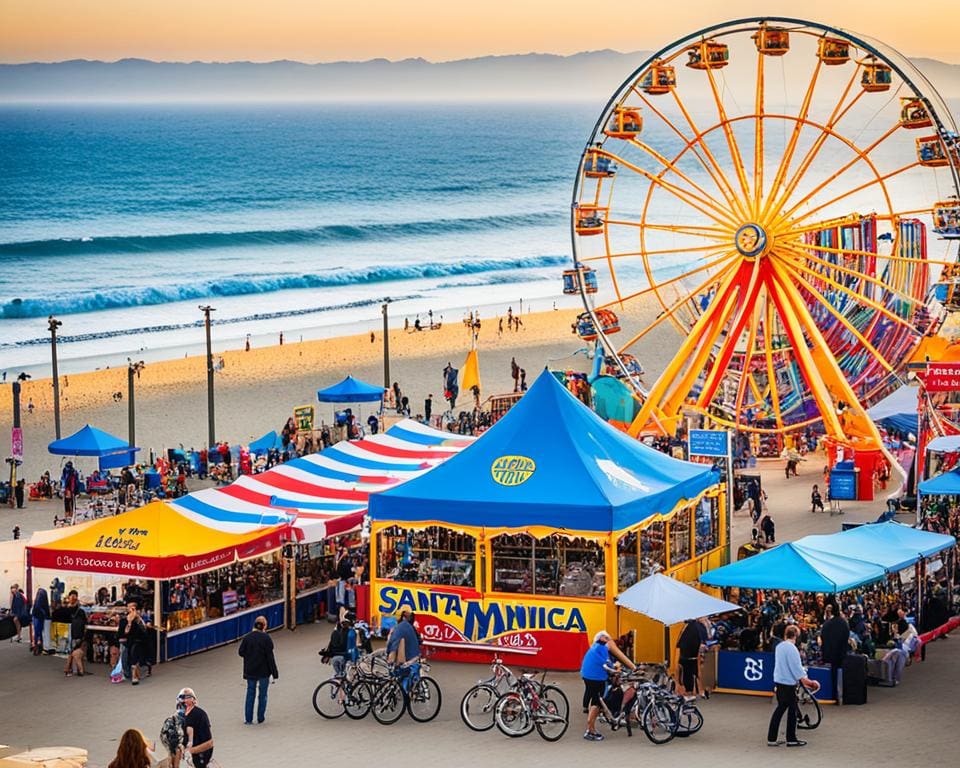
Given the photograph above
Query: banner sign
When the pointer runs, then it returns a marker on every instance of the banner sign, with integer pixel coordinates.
(303, 416)
(753, 673)
(16, 442)
(707, 442)
(843, 485)
(942, 377)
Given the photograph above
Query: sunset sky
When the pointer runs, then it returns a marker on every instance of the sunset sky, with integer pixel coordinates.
(438, 30)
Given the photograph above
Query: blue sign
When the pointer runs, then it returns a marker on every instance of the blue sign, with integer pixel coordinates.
(740, 671)
(843, 485)
(707, 442)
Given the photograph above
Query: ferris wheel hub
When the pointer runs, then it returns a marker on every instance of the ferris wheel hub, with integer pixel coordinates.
(751, 240)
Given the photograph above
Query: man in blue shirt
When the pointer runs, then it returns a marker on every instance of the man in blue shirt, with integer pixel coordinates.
(787, 672)
(403, 644)
(594, 671)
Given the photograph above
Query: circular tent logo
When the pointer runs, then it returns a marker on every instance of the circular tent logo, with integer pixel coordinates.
(512, 470)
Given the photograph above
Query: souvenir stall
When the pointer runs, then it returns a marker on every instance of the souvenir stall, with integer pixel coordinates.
(519, 544)
(202, 585)
(892, 556)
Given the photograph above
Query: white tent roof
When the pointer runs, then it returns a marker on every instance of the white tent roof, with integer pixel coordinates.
(670, 601)
(903, 400)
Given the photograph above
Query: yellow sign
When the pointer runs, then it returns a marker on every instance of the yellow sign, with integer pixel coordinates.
(512, 470)
(303, 416)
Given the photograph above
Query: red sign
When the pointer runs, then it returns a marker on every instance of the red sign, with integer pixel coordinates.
(16, 442)
(942, 377)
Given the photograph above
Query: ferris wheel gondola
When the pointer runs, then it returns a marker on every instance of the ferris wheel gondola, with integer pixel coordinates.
(785, 232)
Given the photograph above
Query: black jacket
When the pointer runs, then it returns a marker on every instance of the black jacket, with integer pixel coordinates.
(835, 635)
(257, 652)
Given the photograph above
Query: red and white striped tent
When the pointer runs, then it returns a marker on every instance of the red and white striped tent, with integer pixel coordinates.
(326, 493)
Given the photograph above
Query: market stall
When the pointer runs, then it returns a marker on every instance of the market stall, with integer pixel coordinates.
(203, 585)
(519, 543)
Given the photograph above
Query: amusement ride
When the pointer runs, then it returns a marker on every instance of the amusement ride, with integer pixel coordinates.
(784, 196)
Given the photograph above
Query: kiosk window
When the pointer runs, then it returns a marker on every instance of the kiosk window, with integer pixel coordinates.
(513, 563)
(628, 560)
(553, 565)
(707, 532)
(432, 555)
(680, 537)
(653, 549)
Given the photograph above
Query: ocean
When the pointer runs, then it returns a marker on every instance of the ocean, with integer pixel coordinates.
(122, 220)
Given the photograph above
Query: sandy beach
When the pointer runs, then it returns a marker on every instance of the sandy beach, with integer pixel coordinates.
(257, 390)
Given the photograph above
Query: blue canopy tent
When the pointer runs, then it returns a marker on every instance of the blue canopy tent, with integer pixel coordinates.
(795, 567)
(350, 390)
(947, 484)
(90, 441)
(898, 410)
(266, 443)
(550, 461)
(891, 556)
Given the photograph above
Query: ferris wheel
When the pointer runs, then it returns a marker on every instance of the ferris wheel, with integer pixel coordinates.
(775, 203)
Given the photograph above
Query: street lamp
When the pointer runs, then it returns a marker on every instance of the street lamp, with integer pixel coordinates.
(211, 441)
(54, 324)
(132, 368)
(386, 346)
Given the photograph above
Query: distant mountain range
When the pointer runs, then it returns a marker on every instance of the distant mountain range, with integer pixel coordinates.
(527, 77)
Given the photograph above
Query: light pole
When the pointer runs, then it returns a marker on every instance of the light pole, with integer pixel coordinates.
(132, 368)
(386, 346)
(54, 324)
(14, 459)
(211, 441)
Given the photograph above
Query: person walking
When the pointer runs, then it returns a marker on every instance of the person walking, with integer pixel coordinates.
(834, 642)
(594, 670)
(515, 374)
(259, 665)
(816, 500)
(788, 671)
(18, 610)
(134, 631)
(428, 408)
(40, 614)
(196, 723)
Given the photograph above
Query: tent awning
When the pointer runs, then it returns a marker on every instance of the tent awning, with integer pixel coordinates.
(153, 542)
(670, 601)
(945, 444)
(266, 443)
(947, 484)
(350, 390)
(550, 461)
(795, 567)
(898, 409)
(89, 441)
(890, 545)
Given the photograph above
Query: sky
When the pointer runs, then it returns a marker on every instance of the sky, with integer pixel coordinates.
(437, 30)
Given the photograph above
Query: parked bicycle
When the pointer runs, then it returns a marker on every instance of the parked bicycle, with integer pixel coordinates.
(351, 694)
(533, 705)
(478, 703)
(406, 689)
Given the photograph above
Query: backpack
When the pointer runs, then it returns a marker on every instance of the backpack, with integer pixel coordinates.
(171, 735)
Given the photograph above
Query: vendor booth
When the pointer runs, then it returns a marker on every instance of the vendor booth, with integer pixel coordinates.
(519, 544)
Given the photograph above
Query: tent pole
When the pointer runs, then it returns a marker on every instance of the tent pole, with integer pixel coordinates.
(156, 613)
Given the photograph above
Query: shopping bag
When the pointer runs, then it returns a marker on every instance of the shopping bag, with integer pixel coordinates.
(116, 676)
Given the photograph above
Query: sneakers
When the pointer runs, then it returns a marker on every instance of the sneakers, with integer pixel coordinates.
(797, 743)
(775, 743)
(593, 736)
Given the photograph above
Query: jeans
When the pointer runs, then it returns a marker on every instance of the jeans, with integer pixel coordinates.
(38, 633)
(263, 683)
(786, 702)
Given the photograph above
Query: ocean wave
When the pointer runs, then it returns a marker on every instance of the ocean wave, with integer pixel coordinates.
(120, 298)
(192, 241)
(68, 338)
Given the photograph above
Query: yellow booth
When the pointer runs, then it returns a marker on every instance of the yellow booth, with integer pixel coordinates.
(519, 544)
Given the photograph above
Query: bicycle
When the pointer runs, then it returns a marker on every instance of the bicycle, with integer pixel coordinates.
(478, 703)
(808, 708)
(533, 705)
(351, 693)
(406, 690)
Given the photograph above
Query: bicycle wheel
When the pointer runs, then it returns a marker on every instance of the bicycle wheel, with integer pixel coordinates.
(809, 709)
(358, 701)
(424, 700)
(388, 702)
(328, 699)
(512, 715)
(659, 721)
(553, 715)
(476, 707)
(689, 721)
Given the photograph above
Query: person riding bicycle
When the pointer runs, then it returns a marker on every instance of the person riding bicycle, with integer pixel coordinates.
(403, 643)
(593, 670)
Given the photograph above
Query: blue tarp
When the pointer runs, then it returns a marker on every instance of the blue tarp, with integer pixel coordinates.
(266, 443)
(90, 441)
(795, 567)
(549, 461)
(927, 543)
(946, 484)
(350, 390)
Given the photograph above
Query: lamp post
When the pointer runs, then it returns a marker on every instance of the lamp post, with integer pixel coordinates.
(54, 324)
(211, 441)
(386, 346)
(132, 368)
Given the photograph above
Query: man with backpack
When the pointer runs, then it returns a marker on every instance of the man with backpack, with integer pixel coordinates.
(341, 647)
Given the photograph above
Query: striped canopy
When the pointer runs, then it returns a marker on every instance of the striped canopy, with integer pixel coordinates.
(326, 493)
